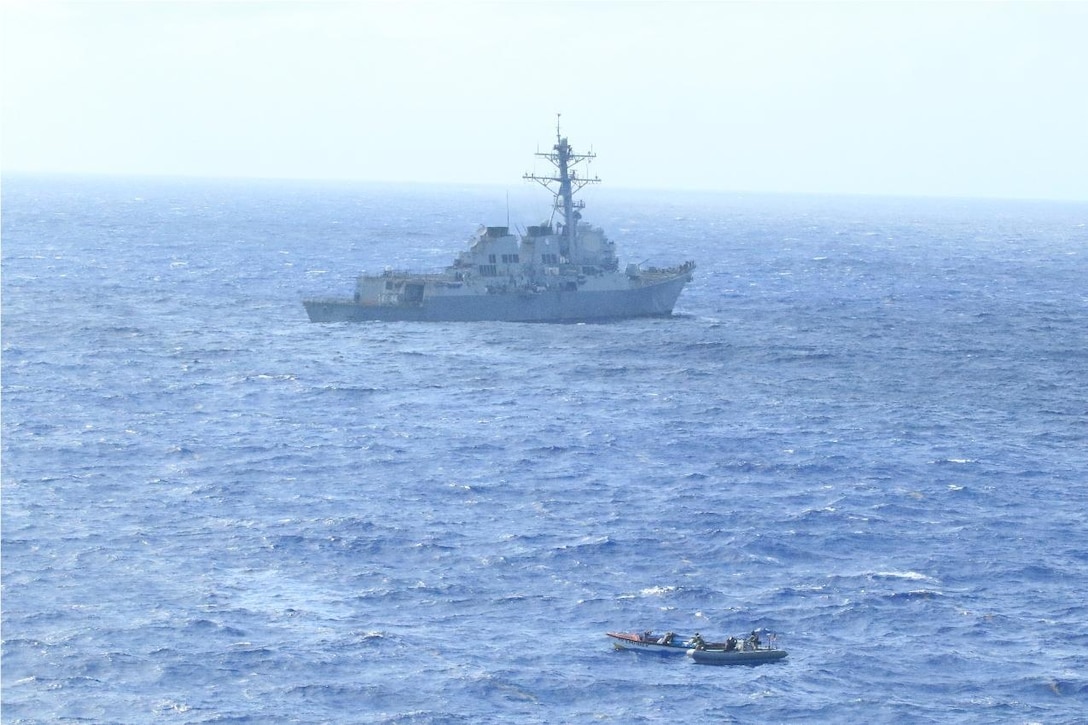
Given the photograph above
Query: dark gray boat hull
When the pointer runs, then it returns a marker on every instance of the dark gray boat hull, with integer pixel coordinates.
(736, 657)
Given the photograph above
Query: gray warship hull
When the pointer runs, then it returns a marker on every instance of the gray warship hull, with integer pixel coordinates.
(653, 299)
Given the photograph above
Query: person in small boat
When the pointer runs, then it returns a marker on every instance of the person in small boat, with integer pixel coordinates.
(730, 644)
(753, 639)
(666, 638)
(697, 642)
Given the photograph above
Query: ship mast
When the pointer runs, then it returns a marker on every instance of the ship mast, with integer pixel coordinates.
(564, 159)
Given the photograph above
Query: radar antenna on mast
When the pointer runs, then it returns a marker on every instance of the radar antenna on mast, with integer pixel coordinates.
(564, 159)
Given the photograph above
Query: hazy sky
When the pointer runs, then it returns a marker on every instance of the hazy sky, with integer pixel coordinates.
(917, 98)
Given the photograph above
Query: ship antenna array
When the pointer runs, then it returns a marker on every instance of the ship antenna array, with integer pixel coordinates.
(564, 159)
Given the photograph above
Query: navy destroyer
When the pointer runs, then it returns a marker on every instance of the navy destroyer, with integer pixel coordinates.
(563, 270)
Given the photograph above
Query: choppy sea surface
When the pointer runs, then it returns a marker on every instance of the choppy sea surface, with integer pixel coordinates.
(864, 429)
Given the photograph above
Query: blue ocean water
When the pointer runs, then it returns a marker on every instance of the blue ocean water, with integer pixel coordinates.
(865, 428)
